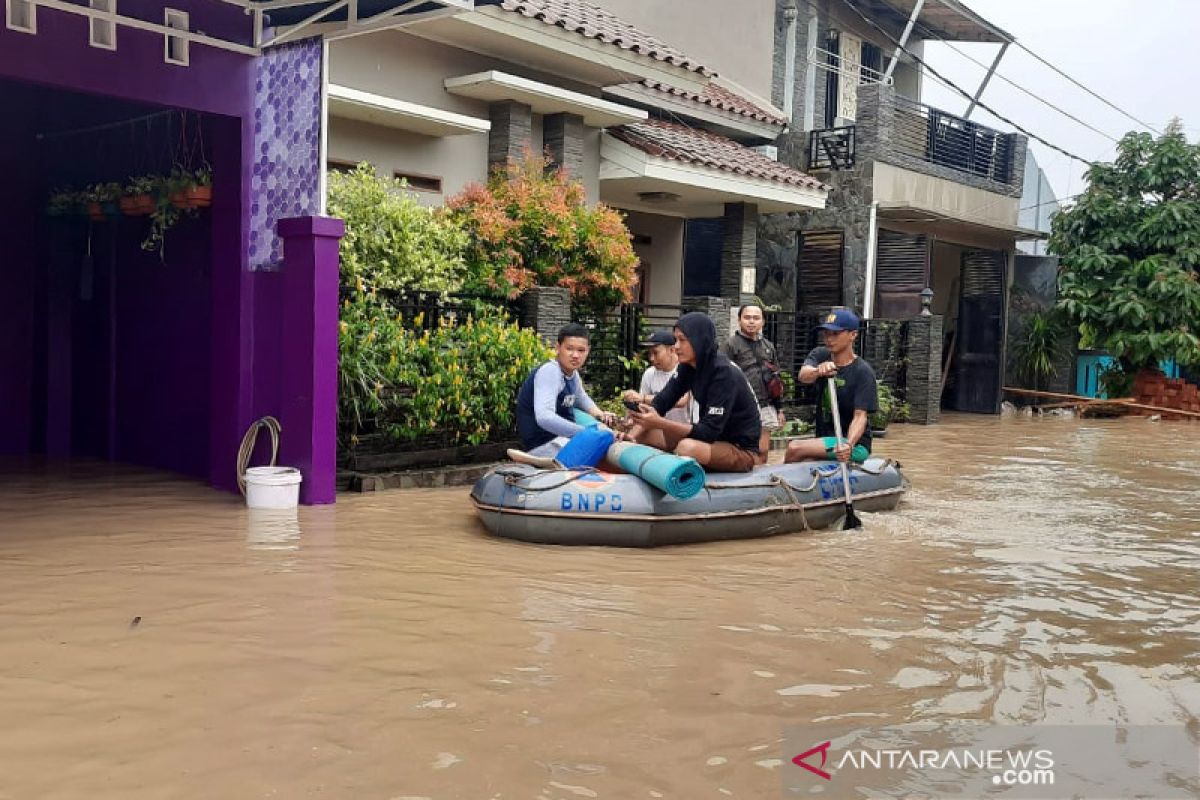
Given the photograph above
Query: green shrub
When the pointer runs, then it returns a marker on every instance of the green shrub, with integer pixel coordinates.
(392, 241)
(890, 409)
(460, 379)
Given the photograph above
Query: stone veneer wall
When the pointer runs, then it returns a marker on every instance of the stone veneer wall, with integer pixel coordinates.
(285, 160)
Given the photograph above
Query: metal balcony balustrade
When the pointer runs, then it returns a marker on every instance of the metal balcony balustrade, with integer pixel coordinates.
(924, 133)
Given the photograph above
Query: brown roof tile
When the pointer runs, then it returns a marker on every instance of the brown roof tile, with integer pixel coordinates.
(596, 23)
(722, 98)
(679, 143)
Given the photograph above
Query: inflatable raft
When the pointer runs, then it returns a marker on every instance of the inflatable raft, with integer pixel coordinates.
(591, 507)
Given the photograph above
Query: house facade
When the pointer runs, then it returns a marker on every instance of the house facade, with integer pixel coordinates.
(157, 337)
(645, 125)
(920, 198)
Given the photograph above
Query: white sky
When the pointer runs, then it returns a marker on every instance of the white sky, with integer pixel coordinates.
(1141, 55)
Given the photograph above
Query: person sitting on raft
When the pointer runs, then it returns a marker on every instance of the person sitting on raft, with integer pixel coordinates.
(660, 348)
(857, 394)
(545, 403)
(725, 439)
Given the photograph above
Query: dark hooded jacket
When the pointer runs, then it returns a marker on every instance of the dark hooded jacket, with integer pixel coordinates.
(728, 408)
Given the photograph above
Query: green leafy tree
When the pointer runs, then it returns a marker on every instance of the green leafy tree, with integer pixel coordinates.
(392, 241)
(1130, 251)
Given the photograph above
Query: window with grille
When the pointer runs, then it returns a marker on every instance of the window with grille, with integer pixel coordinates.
(819, 270)
(901, 272)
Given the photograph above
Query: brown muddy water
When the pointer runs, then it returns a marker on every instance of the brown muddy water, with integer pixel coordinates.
(1039, 571)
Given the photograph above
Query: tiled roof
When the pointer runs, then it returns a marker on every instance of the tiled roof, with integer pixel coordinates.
(722, 98)
(603, 26)
(678, 143)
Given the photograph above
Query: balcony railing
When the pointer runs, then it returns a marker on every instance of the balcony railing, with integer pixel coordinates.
(934, 136)
(832, 148)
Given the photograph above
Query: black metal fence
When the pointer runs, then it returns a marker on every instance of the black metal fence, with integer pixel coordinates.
(933, 135)
(617, 357)
(421, 311)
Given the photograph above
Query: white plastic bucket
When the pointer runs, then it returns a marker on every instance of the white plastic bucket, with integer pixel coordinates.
(272, 487)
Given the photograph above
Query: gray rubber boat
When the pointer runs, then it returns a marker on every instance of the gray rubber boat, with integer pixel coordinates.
(522, 502)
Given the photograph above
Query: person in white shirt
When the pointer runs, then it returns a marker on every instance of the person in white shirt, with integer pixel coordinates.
(663, 361)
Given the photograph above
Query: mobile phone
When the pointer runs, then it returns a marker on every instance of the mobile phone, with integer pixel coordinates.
(632, 406)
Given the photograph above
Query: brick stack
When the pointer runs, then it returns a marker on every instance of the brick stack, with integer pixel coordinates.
(1156, 389)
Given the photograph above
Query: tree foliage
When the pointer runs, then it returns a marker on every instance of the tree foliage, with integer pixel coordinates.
(533, 227)
(1130, 252)
(392, 241)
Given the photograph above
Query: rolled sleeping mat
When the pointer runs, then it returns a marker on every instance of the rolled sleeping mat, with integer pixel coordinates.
(583, 418)
(677, 476)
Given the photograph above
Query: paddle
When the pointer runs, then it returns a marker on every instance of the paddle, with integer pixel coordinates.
(852, 521)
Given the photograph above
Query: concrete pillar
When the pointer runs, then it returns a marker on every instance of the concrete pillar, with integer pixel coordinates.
(563, 138)
(718, 308)
(511, 135)
(923, 391)
(546, 309)
(309, 353)
(739, 252)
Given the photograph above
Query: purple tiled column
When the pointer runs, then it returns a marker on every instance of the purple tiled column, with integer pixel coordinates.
(287, 130)
(309, 352)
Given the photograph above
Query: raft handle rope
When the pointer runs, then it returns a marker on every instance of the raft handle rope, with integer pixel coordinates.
(247, 448)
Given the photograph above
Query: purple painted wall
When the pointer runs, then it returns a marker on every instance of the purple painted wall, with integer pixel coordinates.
(18, 213)
(200, 343)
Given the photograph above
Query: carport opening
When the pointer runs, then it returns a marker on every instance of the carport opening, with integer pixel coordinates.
(107, 332)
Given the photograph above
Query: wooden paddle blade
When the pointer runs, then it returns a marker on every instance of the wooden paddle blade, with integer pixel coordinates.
(852, 520)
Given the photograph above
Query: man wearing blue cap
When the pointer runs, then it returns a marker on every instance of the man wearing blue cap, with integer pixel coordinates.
(857, 393)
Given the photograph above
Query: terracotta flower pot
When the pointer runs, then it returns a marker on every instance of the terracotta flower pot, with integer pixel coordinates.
(199, 196)
(128, 206)
(144, 204)
(179, 199)
(95, 211)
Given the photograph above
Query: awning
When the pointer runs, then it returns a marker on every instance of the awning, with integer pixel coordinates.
(543, 98)
(664, 168)
(279, 21)
(907, 212)
(946, 19)
(348, 103)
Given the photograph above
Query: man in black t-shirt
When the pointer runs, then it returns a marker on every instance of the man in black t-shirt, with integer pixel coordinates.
(857, 393)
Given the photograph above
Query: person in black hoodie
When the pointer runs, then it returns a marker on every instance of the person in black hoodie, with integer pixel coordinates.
(726, 437)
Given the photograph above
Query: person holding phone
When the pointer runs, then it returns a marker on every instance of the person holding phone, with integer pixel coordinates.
(660, 348)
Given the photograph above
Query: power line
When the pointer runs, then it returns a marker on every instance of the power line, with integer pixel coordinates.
(1146, 125)
(930, 34)
(951, 83)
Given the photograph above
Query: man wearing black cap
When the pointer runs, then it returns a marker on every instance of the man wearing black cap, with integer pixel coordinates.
(725, 438)
(857, 393)
(660, 348)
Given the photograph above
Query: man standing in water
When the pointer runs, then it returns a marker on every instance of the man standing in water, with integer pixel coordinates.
(750, 350)
(857, 393)
(726, 437)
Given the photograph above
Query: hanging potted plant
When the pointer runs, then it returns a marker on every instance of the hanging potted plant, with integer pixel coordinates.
(178, 183)
(138, 200)
(199, 194)
(102, 201)
(65, 203)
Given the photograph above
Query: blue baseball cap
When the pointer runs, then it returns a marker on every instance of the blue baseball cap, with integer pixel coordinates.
(659, 337)
(839, 319)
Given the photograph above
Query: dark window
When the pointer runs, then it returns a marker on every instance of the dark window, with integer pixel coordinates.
(901, 272)
(872, 63)
(819, 270)
(422, 183)
(832, 45)
(337, 165)
(703, 240)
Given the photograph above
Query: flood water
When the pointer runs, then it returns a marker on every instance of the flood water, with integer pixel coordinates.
(156, 640)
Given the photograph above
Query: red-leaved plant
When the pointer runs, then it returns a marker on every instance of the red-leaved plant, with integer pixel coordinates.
(531, 226)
